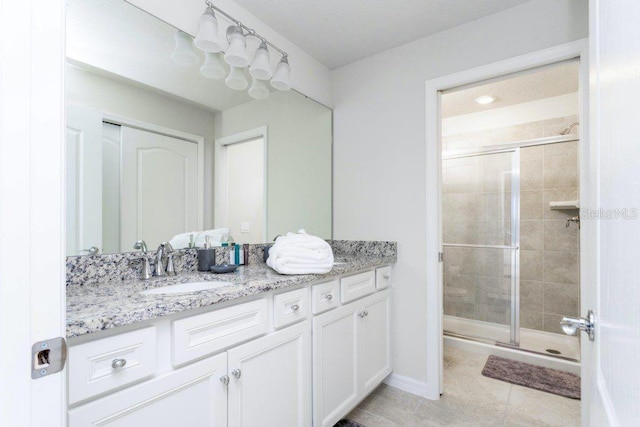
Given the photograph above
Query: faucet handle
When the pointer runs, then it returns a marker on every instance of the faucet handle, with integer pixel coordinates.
(171, 270)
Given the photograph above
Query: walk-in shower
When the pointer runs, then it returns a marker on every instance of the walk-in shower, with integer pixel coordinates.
(510, 212)
(503, 234)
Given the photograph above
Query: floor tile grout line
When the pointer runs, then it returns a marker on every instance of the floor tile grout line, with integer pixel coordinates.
(506, 407)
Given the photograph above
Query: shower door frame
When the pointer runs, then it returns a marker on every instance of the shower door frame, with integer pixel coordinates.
(514, 247)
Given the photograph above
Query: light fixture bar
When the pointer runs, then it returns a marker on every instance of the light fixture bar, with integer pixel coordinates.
(250, 31)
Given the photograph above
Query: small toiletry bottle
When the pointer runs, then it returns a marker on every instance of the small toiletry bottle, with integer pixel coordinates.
(206, 256)
(192, 243)
(225, 241)
(245, 252)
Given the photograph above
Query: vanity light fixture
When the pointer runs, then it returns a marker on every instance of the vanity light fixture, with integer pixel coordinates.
(208, 38)
(183, 53)
(234, 53)
(258, 89)
(213, 67)
(236, 79)
(485, 99)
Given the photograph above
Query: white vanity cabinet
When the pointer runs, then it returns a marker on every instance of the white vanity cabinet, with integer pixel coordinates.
(190, 396)
(297, 357)
(351, 355)
(270, 379)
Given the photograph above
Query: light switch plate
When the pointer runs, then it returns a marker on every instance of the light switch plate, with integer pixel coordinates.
(244, 227)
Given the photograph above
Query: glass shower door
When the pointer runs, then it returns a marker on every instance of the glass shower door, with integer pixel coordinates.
(480, 202)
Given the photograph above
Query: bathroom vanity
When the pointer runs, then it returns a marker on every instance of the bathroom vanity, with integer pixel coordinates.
(261, 349)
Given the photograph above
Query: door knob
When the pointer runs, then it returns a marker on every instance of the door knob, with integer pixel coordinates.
(571, 325)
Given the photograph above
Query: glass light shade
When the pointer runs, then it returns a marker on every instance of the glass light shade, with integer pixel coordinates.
(208, 39)
(236, 55)
(236, 79)
(280, 78)
(213, 67)
(258, 89)
(183, 53)
(260, 67)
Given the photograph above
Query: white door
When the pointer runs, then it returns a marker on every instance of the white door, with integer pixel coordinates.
(32, 304)
(611, 373)
(335, 364)
(84, 179)
(270, 379)
(159, 197)
(241, 185)
(374, 338)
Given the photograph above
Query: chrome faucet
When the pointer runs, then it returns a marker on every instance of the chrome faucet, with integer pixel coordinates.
(159, 271)
(146, 268)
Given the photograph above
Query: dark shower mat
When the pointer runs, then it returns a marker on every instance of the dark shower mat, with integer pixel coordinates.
(536, 377)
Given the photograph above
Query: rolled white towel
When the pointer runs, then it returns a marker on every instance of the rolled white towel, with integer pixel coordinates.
(181, 241)
(300, 254)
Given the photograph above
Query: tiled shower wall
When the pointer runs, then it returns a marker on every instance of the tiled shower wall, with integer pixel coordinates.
(476, 207)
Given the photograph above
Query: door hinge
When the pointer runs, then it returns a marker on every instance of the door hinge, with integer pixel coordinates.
(48, 357)
(440, 257)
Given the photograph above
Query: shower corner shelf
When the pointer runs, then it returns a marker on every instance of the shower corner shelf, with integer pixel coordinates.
(564, 204)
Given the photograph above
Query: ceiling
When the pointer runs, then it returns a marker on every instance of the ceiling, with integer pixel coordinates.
(545, 82)
(338, 32)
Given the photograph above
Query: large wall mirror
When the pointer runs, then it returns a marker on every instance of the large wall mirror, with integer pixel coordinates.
(156, 149)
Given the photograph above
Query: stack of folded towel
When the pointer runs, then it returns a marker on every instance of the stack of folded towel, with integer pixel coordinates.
(300, 253)
(216, 235)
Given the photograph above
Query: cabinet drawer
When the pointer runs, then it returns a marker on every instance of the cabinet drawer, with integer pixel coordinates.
(290, 307)
(383, 277)
(356, 286)
(198, 336)
(324, 296)
(94, 367)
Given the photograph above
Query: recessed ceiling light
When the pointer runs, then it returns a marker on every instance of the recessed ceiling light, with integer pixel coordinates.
(485, 99)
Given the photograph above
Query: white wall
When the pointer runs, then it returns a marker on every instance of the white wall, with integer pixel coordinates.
(298, 159)
(121, 99)
(307, 74)
(379, 142)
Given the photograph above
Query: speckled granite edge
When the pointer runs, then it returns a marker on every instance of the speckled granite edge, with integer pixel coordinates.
(364, 248)
(86, 270)
(93, 307)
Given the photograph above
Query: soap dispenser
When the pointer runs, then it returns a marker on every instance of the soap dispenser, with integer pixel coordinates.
(206, 256)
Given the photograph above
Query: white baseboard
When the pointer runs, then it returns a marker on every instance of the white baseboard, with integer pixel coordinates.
(409, 385)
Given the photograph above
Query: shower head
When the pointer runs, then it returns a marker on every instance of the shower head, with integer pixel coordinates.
(567, 131)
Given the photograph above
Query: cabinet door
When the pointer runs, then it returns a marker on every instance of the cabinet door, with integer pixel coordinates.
(270, 379)
(374, 340)
(191, 396)
(335, 351)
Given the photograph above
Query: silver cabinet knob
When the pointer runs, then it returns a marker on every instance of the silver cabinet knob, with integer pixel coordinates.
(386, 277)
(236, 373)
(224, 379)
(328, 297)
(366, 312)
(118, 363)
(295, 307)
(362, 314)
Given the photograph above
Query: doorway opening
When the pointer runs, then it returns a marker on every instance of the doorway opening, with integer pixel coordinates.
(241, 184)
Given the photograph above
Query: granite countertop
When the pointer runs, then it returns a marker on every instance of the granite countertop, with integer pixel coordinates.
(99, 306)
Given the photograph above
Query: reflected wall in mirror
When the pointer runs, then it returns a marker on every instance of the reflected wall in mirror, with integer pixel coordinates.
(155, 149)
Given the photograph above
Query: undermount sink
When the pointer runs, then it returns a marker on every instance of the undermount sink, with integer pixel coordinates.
(339, 263)
(185, 288)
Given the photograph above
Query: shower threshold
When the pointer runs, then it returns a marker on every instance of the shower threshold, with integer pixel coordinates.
(541, 343)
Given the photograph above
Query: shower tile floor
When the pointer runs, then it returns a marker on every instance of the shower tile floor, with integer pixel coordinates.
(469, 399)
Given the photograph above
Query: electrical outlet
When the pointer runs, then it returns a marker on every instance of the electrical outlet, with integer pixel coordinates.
(244, 227)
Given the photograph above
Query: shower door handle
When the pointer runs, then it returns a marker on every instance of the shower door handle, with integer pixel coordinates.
(571, 325)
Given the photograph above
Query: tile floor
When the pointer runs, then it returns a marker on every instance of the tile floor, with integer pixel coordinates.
(469, 399)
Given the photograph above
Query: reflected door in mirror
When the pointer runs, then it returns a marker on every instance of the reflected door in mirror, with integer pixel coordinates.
(160, 198)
